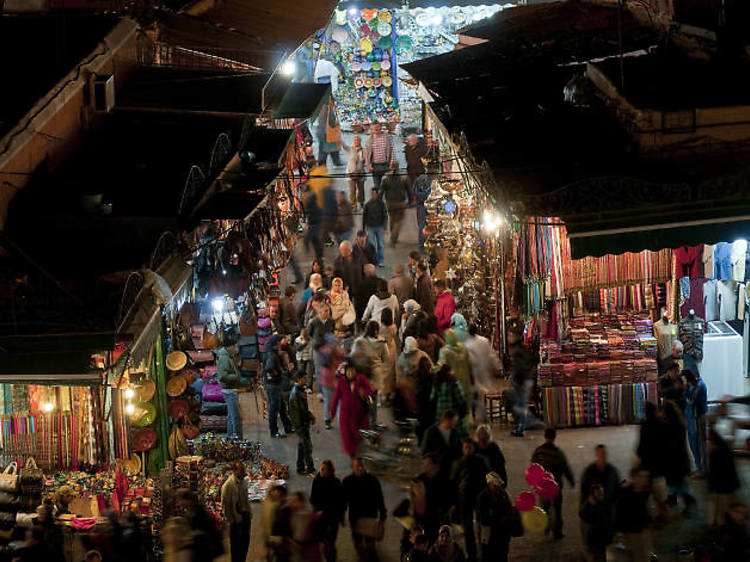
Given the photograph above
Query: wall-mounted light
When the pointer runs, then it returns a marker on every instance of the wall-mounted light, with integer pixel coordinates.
(48, 407)
(129, 393)
(287, 68)
(129, 409)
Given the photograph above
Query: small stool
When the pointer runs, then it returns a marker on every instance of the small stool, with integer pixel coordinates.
(494, 405)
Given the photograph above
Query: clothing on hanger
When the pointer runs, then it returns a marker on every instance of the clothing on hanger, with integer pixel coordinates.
(723, 260)
(727, 298)
(739, 250)
(689, 261)
(710, 300)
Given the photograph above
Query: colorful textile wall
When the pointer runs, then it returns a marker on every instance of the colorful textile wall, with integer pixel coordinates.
(612, 404)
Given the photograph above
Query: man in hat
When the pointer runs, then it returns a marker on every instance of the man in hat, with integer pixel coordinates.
(374, 222)
(414, 151)
(379, 153)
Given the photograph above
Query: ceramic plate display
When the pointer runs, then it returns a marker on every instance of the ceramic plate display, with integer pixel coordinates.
(176, 386)
(147, 390)
(144, 414)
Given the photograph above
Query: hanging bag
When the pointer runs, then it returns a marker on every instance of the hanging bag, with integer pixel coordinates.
(31, 478)
(9, 478)
(212, 392)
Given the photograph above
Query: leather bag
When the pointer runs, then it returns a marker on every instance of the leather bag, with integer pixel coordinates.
(31, 478)
(212, 392)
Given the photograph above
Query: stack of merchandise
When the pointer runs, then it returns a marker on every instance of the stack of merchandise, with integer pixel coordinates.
(188, 472)
(213, 408)
(20, 494)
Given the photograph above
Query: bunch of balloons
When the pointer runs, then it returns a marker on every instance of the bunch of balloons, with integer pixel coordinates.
(533, 517)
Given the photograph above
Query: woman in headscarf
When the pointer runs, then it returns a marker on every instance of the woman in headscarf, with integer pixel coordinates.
(379, 302)
(460, 327)
(307, 311)
(340, 305)
(407, 367)
(410, 319)
(389, 333)
(448, 395)
(446, 548)
(455, 354)
(370, 355)
(353, 392)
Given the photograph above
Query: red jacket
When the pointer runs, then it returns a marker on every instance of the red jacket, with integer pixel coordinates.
(444, 309)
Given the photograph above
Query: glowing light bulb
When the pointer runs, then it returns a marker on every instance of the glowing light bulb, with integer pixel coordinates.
(48, 407)
(218, 304)
(129, 409)
(288, 68)
(129, 393)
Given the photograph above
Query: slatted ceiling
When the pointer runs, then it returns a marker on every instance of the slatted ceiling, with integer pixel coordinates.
(284, 23)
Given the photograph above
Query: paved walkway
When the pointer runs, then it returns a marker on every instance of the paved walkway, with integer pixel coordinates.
(577, 443)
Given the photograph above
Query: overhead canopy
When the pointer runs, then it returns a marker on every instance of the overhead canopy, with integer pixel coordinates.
(230, 205)
(302, 101)
(53, 358)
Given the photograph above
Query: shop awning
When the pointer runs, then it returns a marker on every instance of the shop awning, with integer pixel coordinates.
(53, 358)
(302, 101)
(230, 205)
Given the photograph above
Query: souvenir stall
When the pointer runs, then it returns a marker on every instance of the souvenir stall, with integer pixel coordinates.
(461, 236)
(362, 49)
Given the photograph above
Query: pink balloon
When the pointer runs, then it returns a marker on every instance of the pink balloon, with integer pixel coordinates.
(548, 489)
(534, 474)
(525, 501)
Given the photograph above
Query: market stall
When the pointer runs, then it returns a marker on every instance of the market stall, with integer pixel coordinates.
(360, 53)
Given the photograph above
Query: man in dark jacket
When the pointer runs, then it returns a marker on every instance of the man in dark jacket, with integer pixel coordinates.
(554, 461)
(443, 441)
(363, 497)
(374, 222)
(276, 380)
(495, 518)
(397, 195)
(302, 418)
(468, 477)
(367, 288)
(327, 497)
(438, 497)
(599, 486)
(414, 151)
(602, 473)
(287, 313)
(425, 292)
(632, 517)
(348, 266)
(363, 250)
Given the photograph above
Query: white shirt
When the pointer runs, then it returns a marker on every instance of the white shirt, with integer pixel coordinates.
(327, 68)
(727, 299)
(376, 306)
(484, 362)
(739, 247)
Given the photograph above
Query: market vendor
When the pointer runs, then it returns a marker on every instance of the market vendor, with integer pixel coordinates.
(63, 498)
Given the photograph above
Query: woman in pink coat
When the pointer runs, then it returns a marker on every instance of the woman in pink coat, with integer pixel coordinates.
(352, 391)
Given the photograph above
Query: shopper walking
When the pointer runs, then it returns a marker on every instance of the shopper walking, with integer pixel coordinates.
(235, 506)
(228, 374)
(455, 355)
(367, 288)
(302, 419)
(277, 382)
(374, 222)
(696, 408)
(445, 306)
(397, 194)
(364, 251)
(425, 404)
(348, 267)
(342, 313)
(448, 395)
(380, 301)
(468, 478)
(288, 320)
(431, 496)
(422, 188)
(353, 394)
(495, 518)
(407, 367)
(678, 461)
(653, 454)
(205, 539)
(344, 218)
(491, 452)
(363, 497)
(424, 292)
(355, 169)
(320, 329)
(400, 285)
(554, 461)
(414, 151)
(314, 216)
(599, 486)
(327, 497)
(632, 516)
(523, 381)
(379, 153)
(485, 368)
(443, 440)
(370, 355)
(446, 549)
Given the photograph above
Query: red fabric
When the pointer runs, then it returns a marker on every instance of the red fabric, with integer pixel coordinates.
(689, 261)
(444, 309)
(353, 416)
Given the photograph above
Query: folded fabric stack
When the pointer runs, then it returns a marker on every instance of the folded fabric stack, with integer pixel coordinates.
(264, 328)
(187, 473)
(213, 409)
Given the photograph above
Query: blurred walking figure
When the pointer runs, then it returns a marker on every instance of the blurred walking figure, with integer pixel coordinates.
(327, 497)
(494, 515)
(414, 151)
(328, 132)
(379, 153)
(353, 393)
(374, 222)
(235, 506)
(363, 498)
(696, 408)
(397, 194)
(344, 218)
(632, 518)
(554, 461)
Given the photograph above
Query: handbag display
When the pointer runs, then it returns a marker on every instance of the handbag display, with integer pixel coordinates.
(9, 503)
(26, 520)
(212, 392)
(350, 316)
(9, 478)
(31, 478)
